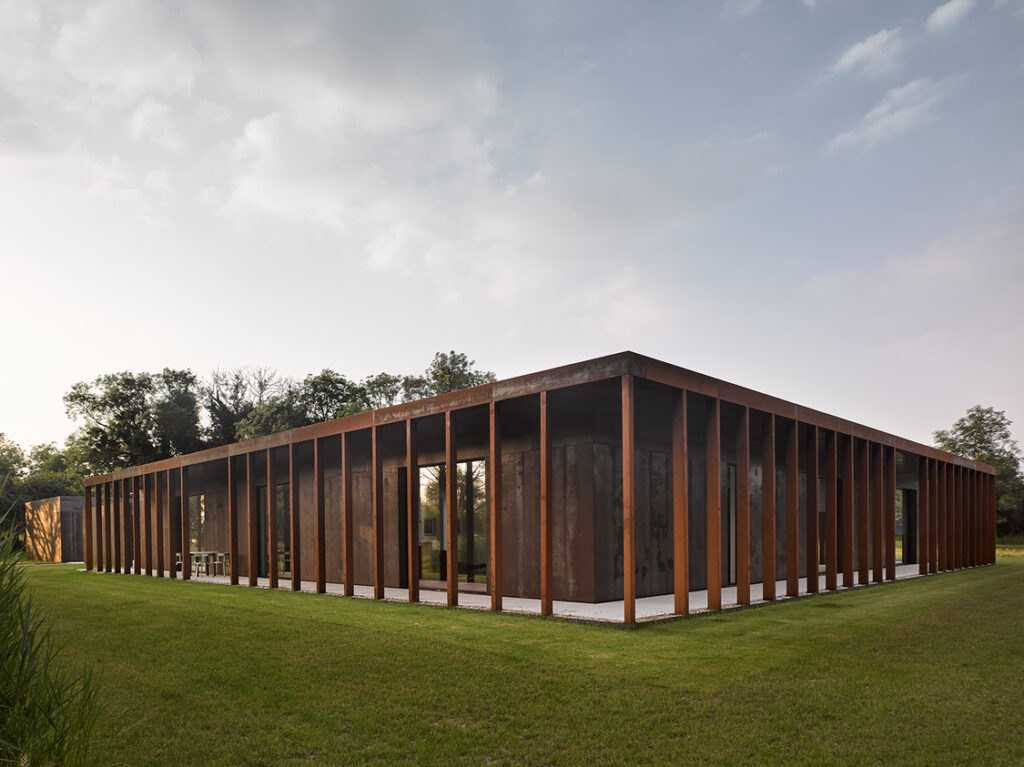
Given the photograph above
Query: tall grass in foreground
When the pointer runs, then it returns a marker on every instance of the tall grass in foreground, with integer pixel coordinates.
(46, 713)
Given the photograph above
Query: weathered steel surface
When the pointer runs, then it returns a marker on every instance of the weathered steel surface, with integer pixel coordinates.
(166, 527)
(863, 522)
(848, 511)
(546, 555)
(378, 514)
(831, 502)
(813, 544)
(628, 500)
(251, 513)
(118, 517)
(452, 499)
(137, 525)
(940, 498)
(890, 513)
(680, 505)
(922, 516)
(232, 522)
(147, 491)
(743, 507)
(495, 490)
(87, 529)
(412, 508)
(319, 535)
(272, 573)
(713, 495)
(793, 509)
(877, 514)
(768, 508)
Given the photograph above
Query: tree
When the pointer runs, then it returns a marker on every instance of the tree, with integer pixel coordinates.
(983, 434)
(454, 371)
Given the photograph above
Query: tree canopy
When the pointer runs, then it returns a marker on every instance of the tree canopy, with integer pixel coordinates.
(983, 434)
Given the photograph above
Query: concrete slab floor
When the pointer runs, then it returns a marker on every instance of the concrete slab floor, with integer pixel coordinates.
(648, 609)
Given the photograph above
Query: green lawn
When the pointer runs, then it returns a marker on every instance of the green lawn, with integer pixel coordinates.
(926, 672)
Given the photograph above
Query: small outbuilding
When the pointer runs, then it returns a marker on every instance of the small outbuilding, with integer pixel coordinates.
(53, 529)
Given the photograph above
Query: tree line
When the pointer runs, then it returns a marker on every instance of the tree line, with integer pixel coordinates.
(126, 419)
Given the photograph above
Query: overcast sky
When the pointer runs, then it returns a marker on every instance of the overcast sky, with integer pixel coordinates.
(819, 199)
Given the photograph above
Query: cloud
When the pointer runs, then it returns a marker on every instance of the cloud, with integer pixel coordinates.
(735, 9)
(948, 15)
(1017, 6)
(876, 55)
(900, 111)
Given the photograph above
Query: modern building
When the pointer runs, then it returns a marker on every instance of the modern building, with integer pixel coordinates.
(622, 480)
(53, 529)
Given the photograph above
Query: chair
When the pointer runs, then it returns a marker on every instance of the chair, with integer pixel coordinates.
(220, 563)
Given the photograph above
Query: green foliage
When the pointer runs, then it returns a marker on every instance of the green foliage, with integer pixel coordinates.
(454, 371)
(983, 434)
(47, 714)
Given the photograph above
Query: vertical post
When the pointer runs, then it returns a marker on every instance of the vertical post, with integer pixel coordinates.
(793, 510)
(186, 554)
(118, 511)
(890, 513)
(271, 519)
(109, 502)
(743, 507)
(347, 526)
(933, 515)
(232, 522)
(137, 524)
(848, 527)
(165, 527)
(950, 522)
(452, 499)
(940, 513)
(494, 467)
(713, 493)
(412, 507)
(87, 529)
(768, 509)
(922, 516)
(294, 517)
(978, 560)
(863, 524)
(813, 547)
(546, 598)
(958, 515)
(319, 533)
(628, 500)
(992, 519)
(251, 513)
(831, 490)
(147, 492)
(377, 503)
(877, 538)
(680, 504)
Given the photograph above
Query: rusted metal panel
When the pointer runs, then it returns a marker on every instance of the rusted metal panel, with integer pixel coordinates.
(890, 513)
(149, 482)
(793, 510)
(940, 503)
(546, 598)
(813, 553)
(232, 522)
(272, 520)
(768, 509)
(933, 517)
(319, 535)
(87, 528)
(848, 511)
(680, 504)
(451, 502)
(118, 516)
(378, 513)
(186, 564)
(137, 512)
(412, 508)
(877, 513)
(950, 518)
(494, 476)
(713, 495)
(831, 502)
(348, 527)
(294, 516)
(628, 500)
(252, 526)
(922, 516)
(165, 528)
(863, 525)
(742, 507)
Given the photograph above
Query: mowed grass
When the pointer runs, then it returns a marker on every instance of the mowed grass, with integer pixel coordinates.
(927, 672)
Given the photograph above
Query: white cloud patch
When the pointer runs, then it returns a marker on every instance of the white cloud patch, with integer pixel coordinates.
(877, 55)
(948, 15)
(900, 111)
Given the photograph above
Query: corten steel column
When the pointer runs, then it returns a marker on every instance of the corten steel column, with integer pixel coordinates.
(848, 480)
(680, 505)
(87, 529)
(251, 514)
(992, 519)
(165, 526)
(831, 542)
(320, 531)
(147, 492)
(629, 500)
(232, 521)
(452, 498)
(877, 537)
(494, 467)
(271, 519)
(940, 512)
(950, 521)
(768, 510)
(127, 544)
(186, 554)
(412, 507)
(377, 504)
(116, 515)
(976, 500)
(970, 517)
(890, 513)
(137, 524)
(933, 515)
(546, 596)
(294, 518)
(743, 507)
(111, 533)
(863, 525)
(958, 528)
(792, 510)
(813, 556)
(922, 517)
(713, 493)
(347, 530)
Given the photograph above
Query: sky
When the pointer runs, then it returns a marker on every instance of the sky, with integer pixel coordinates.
(822, 200)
